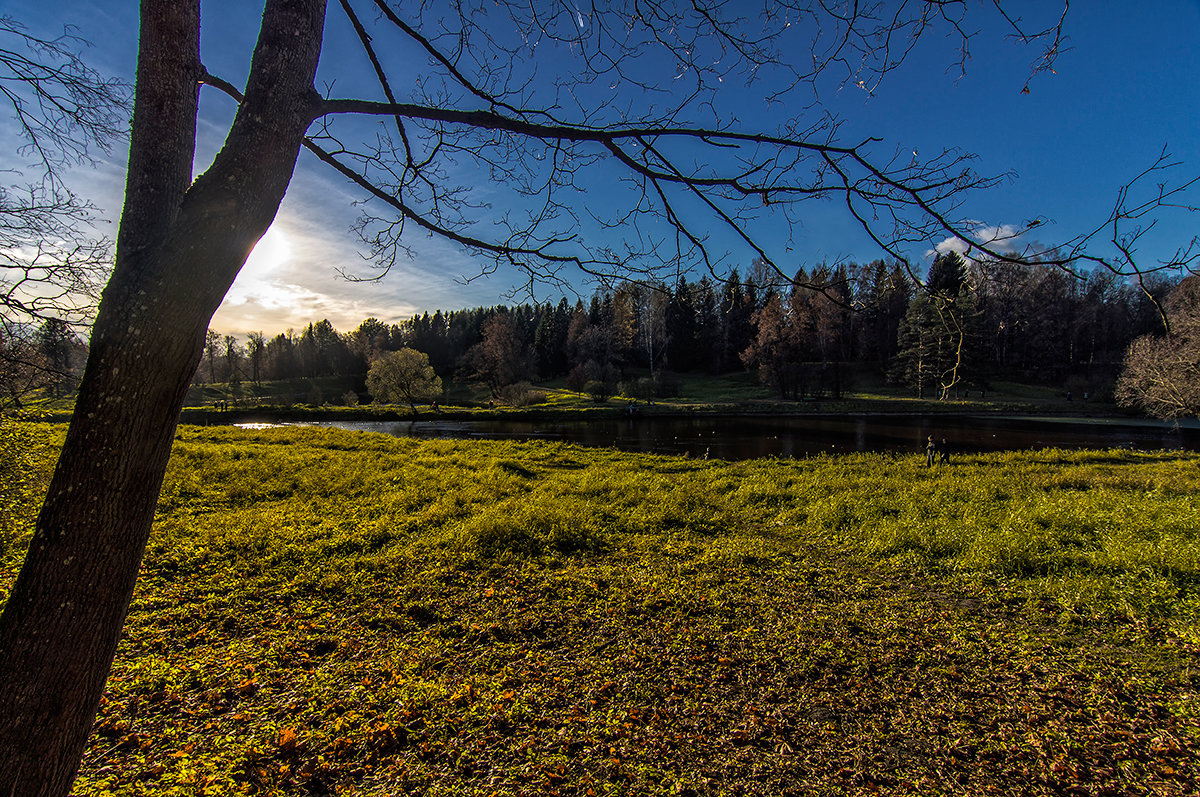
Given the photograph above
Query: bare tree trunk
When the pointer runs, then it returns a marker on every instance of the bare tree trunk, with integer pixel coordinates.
(178, 251)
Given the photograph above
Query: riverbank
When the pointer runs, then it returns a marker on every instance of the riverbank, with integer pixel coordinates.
(622, 408)
(728, 395)
(344, 613)
(253, 412)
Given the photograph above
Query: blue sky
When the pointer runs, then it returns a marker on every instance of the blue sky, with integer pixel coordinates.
(1123, 92)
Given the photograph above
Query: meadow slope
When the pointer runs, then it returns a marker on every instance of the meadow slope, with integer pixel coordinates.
(326, 612)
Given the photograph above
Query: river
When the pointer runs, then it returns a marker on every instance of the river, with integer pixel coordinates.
(747, 437)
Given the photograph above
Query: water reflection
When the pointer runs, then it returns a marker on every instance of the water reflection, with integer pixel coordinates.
(746, 437)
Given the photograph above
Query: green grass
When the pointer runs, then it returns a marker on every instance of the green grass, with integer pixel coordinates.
(326, 612)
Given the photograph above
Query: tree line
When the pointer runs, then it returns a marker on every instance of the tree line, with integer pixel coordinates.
(42, 358)
(966, 324)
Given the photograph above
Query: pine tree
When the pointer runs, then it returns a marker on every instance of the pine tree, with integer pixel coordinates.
(939, 339)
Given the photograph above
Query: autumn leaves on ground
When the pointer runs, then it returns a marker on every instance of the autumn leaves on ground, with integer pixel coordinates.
(338, 613)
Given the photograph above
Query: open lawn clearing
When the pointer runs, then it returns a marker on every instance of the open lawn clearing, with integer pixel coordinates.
(325, 612)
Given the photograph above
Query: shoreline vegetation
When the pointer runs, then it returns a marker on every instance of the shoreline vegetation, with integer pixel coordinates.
(730, 394)
(329, 612)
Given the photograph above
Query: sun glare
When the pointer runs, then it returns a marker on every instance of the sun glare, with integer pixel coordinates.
(259, 283)
(270, 253)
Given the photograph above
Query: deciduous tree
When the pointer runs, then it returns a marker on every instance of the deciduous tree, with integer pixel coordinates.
(23, 367)
(52, 261)
(403, 376)
(179, 247)
(256, 350)
(501, 358)
(212, 352)
(775, 350)
(1162, 372)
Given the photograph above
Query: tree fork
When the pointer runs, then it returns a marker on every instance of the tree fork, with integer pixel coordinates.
(179, 249)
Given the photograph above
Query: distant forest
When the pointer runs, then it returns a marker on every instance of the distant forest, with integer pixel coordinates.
(969, 324)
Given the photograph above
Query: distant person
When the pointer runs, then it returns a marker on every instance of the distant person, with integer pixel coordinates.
(945, 452)
(930, 452)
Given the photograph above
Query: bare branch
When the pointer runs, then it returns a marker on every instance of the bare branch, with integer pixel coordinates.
(51, 261)
(478, 106)
(63, 106)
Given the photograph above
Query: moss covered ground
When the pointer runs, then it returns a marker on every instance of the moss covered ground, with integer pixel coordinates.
(326, 612)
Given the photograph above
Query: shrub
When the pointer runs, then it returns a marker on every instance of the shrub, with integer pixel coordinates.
(598, 390)
(584, 374)
(315, 397)
(661, 385)
(577, 378)
(667, 385)
(521, 394)
(642, 388)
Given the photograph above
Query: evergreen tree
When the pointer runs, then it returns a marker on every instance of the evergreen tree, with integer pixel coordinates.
(917, 360)
(281, 357)
(683, 351)
(938, 341)
(820, 312)
(947, 275)
(737, 309)
(61, 353)
(550, 339)
(883, 297)
(708, 326)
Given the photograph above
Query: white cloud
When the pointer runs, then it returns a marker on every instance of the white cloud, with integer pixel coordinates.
(1002, 237)
(999, 237)
(953, 244)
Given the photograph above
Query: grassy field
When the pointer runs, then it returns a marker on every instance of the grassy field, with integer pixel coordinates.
(326, 612)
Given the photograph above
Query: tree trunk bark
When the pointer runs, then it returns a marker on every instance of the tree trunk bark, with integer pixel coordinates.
(178, 250)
